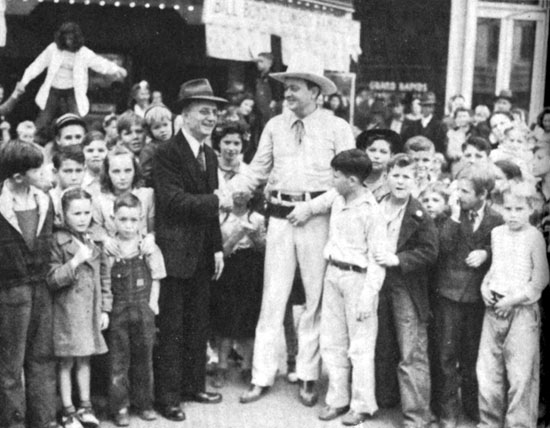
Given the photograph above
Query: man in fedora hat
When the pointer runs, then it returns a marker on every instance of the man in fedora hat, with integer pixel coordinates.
(428, 125)
(503, 101)
(188, 233)
(293, 156)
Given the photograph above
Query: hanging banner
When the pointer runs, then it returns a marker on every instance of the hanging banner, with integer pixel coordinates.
(236, 28)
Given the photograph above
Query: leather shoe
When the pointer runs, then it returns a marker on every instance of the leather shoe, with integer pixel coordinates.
(173, 413)
(353, 418)
(207, 397)
(329, 413)
(308, 394)
(253, 394)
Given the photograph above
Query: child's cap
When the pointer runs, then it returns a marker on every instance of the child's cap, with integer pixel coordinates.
(66, 120)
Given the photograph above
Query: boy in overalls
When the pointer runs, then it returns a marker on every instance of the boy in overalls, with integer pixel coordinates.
(135, 285)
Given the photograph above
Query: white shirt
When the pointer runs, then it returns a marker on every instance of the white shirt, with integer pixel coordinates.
(193, 142)
(292, 167)
(426, 120)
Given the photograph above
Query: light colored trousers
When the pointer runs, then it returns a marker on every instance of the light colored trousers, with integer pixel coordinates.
(508, 368)
(347, 345)
(286, 247)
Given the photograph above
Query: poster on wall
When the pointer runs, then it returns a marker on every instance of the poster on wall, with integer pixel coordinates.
(345, 82)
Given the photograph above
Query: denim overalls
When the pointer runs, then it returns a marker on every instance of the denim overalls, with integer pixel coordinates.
(131, 335)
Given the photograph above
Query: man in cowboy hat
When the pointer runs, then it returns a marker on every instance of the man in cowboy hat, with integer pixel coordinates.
(188, 233)
(294, 156)
(428, 125)
(503, 101)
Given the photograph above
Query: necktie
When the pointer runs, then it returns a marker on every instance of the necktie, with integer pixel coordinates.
(472, 217)
(200, 159)
(299, 131)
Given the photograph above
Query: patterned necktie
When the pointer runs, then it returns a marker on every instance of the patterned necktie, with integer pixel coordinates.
(200, 158)
(299, 131)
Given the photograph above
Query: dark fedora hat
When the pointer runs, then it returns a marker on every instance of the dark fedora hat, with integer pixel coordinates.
(428, 98)
(505, 94)
(197, 90)
(366, 137)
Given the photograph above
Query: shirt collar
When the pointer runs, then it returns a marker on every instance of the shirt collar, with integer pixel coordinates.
(365, 198)
(293, 118)
(426, 120)
(193, 142)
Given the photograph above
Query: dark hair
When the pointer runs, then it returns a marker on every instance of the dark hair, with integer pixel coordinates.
(480, 143)
(69, 28)
(482, 178)
(106, 183)
(61, 154)
(127, 119)
(310, 85)
(73, 194)
(419, 143)
(226, 129)
(545, 111)
(111, 117)
(128, 200)
(401, 160)
(92, 136)
(510, 169)
(17, 157)
(353, 162)
(366, 139)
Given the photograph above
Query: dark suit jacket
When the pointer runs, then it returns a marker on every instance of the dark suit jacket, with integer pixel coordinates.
(187, 216)
(417, 249)
(456, 280)
(434, 131)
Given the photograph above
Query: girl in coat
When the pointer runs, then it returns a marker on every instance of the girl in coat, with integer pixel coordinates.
(80, 279)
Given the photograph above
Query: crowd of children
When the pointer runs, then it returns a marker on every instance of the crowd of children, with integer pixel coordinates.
(436, 266)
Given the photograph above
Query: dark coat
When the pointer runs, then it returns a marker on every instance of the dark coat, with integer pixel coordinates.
(187, 216)
(434, 131)
(456, 280)
(20, 265)
(417, 248)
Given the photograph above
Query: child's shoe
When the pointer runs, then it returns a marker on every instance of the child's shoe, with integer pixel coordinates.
(87, 417)
(70, 421)
(122, 418)
(148, 415)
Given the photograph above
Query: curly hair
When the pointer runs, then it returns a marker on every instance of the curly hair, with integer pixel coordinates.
(69, 28)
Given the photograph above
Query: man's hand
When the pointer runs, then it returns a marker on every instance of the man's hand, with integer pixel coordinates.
(300, 214)
(148, 244)
(504, 306)
(154, 305)
(104, 321)
(386, 258)
(476, 258)
(487, 296)
(218, 265)
(120, 74)
(365, 307)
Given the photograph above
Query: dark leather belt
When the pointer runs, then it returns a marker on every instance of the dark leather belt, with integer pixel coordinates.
(298, 197)
(347, 266)
(278, 211)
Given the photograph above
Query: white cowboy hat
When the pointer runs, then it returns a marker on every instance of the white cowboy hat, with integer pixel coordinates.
(307, 67)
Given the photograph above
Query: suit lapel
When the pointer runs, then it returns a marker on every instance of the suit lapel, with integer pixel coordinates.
(409, 224)
(190, 163)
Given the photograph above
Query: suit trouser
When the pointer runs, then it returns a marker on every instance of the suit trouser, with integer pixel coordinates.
(508, 368)
(183, 321)
(347, 345)
(26, 346)
(413, 371)
(458, 331)
(286, 247)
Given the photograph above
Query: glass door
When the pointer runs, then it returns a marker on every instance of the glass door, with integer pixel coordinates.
(510, 53)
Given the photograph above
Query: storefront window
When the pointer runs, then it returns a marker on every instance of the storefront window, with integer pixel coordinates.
(522, 62)
(486, 61)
